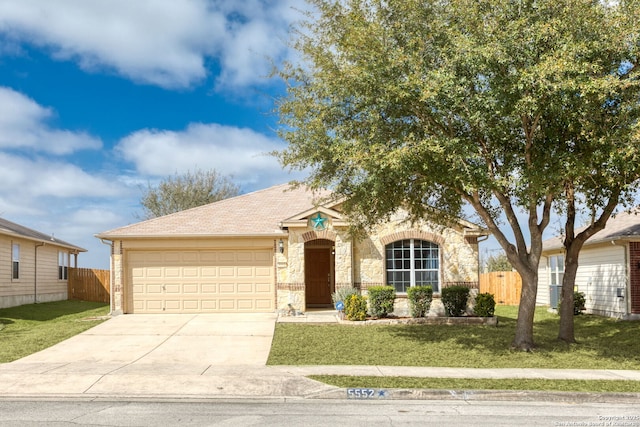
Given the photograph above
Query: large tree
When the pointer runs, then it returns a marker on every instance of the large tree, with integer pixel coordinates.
(514, 107)
(189, 190)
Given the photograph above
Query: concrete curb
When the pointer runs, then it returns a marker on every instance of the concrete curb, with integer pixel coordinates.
(483, 395)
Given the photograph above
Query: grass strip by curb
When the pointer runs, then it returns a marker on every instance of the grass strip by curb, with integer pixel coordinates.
(593, 386)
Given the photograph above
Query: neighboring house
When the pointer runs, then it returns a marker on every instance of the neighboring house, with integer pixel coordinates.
(33, 265)
(608, 271)
(276, 249)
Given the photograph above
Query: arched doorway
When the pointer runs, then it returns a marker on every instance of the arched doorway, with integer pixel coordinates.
(319, 272)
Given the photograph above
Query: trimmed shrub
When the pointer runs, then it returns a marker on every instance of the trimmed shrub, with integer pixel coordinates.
(381, 299)
(343, 294)
(420, 298)
(485, 305)
(454, 299)
(355, 307)
(579, 302)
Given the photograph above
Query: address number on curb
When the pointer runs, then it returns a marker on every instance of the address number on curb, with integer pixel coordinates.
(366, 393)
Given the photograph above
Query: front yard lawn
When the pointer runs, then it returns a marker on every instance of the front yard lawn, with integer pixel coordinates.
(604, 343)
(30, 328)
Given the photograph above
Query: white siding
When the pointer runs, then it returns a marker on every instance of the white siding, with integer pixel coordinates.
(601, 271)
(542, 297)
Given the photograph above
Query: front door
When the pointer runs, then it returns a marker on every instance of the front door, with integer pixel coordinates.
(317, 276)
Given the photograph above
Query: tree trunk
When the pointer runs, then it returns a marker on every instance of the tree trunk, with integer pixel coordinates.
(526, 310)
(566, 332)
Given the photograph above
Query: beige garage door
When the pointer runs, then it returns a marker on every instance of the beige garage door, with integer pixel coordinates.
(201, 281)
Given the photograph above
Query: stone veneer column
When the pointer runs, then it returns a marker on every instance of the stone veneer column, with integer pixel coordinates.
(343, 260)
(117, 270)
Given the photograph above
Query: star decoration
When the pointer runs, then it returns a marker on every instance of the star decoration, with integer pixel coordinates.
(318, 222)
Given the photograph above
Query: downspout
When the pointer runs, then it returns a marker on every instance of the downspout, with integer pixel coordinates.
(35, 272)
(111, 278)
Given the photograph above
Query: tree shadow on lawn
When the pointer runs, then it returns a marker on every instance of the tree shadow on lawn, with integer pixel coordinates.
(599, 338)
(47, 311)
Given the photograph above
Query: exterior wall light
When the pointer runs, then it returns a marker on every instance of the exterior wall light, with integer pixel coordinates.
(281, 246)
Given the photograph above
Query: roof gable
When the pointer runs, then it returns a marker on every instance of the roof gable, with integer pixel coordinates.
(15, 230)
(252, 214)
(622, 226)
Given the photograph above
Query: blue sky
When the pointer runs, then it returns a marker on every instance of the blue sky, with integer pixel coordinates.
(99, 98)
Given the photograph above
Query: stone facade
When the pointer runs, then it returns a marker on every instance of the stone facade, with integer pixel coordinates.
(361, 263)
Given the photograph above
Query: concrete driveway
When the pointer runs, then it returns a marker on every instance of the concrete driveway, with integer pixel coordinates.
(166, 341)
(150, 355)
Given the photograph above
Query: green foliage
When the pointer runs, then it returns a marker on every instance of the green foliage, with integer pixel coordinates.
(485, 305)
(179, 192)
(420, 298)
(504, 105)
(343, 294)
(579, 302)
(498, 263)
(381, 300)
(355, 307)
(454, 299)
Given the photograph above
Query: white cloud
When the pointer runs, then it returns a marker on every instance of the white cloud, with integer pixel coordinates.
(23, 124)
(236, 152)
(160, 42)
(27, 179)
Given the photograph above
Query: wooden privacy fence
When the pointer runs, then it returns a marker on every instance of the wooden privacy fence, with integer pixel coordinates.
(506, 286)
(87, 284)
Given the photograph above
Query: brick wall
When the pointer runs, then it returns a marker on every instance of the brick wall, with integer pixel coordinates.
(634, 276)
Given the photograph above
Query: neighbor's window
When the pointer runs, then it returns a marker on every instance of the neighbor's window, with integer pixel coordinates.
(63, 264)
(413, 262)
(15, 258)
(556, 269)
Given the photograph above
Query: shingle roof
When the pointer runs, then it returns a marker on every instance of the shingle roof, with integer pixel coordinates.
(12, 229)
(623, 226)
(251, 214)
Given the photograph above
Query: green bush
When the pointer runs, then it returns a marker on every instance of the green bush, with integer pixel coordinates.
(420, 298)
(579, 302)
(381, 299)
(454, 299)
(485, 305)
(355, 307)
(343, 294)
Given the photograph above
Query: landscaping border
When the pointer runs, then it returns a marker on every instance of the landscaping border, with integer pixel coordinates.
(464, 320)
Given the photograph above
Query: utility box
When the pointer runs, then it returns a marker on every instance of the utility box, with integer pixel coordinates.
(554, 295)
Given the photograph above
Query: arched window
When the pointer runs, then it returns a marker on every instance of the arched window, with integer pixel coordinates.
(413, 262)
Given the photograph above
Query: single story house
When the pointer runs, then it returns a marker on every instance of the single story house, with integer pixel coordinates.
(277, 249)
(608, 272)
(33, 265)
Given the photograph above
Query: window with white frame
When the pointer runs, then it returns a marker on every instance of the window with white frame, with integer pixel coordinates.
(63, 264)
(15, 261)
(412, 262)
(556, 269)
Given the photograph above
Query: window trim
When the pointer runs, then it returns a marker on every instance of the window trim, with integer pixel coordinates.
(15, 261)
(63, 265)
(556, 272)
(412, 264)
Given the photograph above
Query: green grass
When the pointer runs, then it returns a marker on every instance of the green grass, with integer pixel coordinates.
(603, 343)
(27, 329)
(480, 384)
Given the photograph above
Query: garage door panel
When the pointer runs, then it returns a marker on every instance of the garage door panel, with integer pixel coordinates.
(206, 281)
